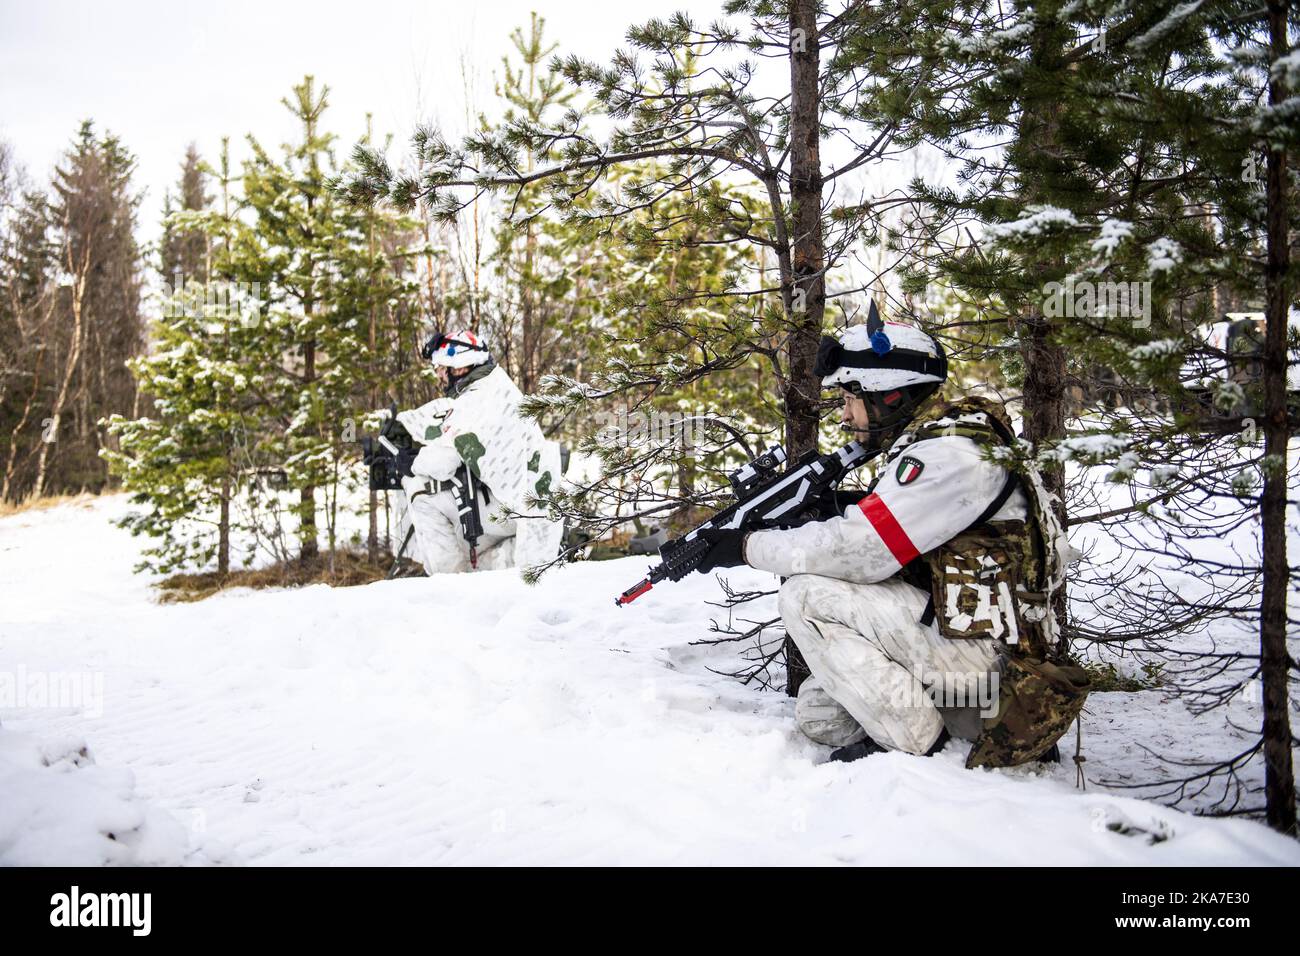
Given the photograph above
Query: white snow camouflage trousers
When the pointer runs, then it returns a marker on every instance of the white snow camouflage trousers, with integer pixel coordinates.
(438, 543)
(877, 670)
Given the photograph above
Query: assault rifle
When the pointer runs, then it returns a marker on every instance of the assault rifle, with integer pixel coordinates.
(389, 455)
(765, 498)
(465, 486)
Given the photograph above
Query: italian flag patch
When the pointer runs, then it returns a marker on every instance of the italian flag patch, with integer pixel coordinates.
(909, 469)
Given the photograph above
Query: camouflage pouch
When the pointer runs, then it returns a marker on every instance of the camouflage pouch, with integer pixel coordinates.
(1037, 702)
(975, 580)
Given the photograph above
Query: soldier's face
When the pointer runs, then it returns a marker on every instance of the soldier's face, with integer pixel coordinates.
(444, 375)
(854, 415)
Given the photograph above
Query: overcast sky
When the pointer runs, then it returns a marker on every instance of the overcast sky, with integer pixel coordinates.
(163, 74)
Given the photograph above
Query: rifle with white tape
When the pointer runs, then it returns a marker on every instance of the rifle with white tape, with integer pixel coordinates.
(766, 497)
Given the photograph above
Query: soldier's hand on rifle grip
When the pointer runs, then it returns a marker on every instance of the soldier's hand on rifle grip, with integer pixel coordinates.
(846, 497)
(727, 549)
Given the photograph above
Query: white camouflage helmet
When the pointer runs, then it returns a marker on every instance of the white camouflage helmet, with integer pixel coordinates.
(862, 361)
(461, 349)
(893, 368)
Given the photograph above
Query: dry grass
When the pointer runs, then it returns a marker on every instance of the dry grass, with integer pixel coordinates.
(45, 502)
(350, 569)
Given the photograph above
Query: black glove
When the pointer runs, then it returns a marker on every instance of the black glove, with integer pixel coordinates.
(831, 504)
(727, 551)
(847, 496)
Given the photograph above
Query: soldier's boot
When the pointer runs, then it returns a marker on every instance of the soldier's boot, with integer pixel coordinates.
(1052, 755)
(863, 748)
(866, 747)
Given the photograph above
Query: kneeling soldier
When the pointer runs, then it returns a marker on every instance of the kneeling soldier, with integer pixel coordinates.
(908, 603)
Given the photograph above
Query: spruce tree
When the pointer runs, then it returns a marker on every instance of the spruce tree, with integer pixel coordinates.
(28, 293)
(287, 252)
(183, 250)
(97, 322)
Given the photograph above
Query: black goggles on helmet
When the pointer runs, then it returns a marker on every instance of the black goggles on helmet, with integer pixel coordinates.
(832, 356)
(439, 339)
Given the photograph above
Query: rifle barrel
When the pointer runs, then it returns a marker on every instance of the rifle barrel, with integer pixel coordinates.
(634, 592)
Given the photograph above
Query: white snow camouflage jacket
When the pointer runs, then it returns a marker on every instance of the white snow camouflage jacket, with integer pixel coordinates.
(509, 454)
(929, 491)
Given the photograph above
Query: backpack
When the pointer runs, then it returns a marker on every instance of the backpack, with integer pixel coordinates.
(995, 580)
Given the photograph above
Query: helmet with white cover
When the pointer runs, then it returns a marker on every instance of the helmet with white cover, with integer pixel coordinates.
(893, 367)
(461, 349)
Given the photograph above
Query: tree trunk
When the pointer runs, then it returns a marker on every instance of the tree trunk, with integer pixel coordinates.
(372, 504)
(332, 514)
(529, 332)
(372, 531)
(1044, 392)
(309, 549)
(70, 366)
(7, 490)
(1044, 401)
(1275, 662)
(223, 530)
(808, 253)
(808, 258)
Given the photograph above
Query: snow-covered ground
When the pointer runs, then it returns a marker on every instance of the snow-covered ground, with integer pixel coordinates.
(472, 719)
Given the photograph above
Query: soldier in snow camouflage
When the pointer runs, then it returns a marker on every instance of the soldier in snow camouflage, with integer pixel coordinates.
(924, 611)
(477, 426)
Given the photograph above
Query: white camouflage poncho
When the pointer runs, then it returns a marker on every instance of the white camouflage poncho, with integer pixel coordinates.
(508, 453)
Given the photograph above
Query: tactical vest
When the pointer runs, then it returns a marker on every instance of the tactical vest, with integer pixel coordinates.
(995, 580)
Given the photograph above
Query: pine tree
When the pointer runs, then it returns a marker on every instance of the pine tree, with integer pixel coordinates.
(534, 256)
(287, 253)
(1126, 130)
(1280, 132)
(185, 461)
(263, 373)
(665, 447)
(370, 314)
(184, 464)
